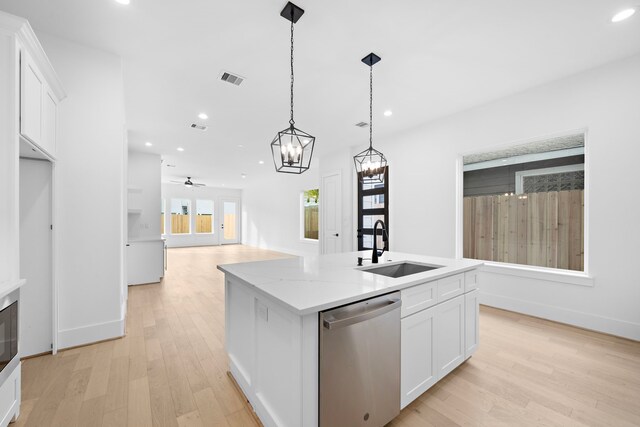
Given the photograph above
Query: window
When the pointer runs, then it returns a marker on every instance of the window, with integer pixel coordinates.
(309, 214)
(204, 216)
(180, 216)
(525, 205)
(372, 206)
(162, 202)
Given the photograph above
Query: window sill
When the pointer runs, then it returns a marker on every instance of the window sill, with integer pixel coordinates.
(309, 241)
(540, 273)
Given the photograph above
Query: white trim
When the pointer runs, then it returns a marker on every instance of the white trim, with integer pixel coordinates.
(580, 319)
(91, 333)
(544, 171)
(27, 37)
(459, 243)
(524, 158)
(541, 273)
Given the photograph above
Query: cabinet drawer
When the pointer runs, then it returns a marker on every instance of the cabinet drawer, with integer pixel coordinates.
(450, 287)
(471, 280)
(418, 298)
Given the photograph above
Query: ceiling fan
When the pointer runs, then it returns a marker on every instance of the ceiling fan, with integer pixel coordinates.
(189, 184)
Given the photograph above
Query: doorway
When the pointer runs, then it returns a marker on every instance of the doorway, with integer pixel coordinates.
(36, 256)
(331, 213)
(229, 221)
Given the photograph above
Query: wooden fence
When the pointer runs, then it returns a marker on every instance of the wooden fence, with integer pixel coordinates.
(180, 223)
(541, 229)
(204, 223)
(311, 222)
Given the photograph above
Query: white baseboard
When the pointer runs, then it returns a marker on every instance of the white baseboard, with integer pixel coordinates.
(580, 319)
(90, 334)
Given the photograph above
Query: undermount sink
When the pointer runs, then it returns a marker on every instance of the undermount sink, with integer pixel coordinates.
(401, 269)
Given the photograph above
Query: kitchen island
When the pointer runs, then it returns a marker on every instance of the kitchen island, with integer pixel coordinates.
(272, 324)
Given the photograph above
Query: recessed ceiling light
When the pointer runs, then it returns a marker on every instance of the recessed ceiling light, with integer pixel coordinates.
(261, 162)
(180, 149)
(240, 146)
(148, 144)
(243, 175)
(123, 1)
(388, 113)
(623, 14)
(203, 116)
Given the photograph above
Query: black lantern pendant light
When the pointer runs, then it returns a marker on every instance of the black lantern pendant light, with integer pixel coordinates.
(370, 163)
(292, 148)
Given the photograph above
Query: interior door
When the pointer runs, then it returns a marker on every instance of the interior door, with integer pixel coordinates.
(36, 330)
(229, 221)
(331, 207)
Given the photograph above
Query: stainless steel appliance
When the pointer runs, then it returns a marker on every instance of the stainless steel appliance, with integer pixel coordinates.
(8, 335)
(360, 363)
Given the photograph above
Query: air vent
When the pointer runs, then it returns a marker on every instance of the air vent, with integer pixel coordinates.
(198, 127)
(231, 78)
(362, 124)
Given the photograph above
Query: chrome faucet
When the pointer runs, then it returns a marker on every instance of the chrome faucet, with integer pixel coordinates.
(385, 239)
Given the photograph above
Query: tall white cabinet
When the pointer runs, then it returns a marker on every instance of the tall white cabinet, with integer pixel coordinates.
(29, 95)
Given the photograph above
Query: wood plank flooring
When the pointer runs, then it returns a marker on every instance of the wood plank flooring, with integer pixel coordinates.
(170, 369)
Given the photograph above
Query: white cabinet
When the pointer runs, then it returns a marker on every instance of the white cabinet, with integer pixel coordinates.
(418, 366)
(30, 99)
(471, 326)
(439, 331)
(38, 107)
(450, 287)
(49, 123)
(418, 298)
(145, 261)
(449, 335)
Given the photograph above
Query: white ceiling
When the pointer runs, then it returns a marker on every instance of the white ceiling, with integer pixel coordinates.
(438, 57)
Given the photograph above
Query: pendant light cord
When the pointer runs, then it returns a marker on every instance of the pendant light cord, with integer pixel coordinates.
(370, 106)
(291, 121)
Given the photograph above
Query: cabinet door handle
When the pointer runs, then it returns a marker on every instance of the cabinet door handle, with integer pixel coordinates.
(336, 234)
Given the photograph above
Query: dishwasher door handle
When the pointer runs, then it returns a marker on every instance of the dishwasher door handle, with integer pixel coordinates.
(341, 323)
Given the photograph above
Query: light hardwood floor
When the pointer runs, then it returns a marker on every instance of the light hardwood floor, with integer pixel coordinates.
(170, 369)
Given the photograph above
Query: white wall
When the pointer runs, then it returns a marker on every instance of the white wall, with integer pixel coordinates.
(606, 102)
(9, 221)
(89, 192)
(179, 191)
(144, 184)
(271, 212)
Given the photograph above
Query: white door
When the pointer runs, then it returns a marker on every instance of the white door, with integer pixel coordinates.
(36, 328)
(229, 221)
(417, 365)
(331, 207)
(449, 335)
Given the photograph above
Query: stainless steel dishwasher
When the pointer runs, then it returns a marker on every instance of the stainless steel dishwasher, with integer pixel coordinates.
(360, 363)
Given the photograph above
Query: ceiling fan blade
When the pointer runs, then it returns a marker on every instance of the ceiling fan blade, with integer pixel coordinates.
(177, 182)
(199, 185)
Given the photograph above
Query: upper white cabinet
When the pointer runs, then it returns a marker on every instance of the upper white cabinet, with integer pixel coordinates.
(38, 106)
(49, 123)
(30, 99)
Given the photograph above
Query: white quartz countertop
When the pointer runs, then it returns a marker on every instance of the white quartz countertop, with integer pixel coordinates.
(311, 284)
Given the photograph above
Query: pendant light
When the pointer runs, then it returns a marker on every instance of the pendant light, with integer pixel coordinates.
(370, 163)
(292, 148)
